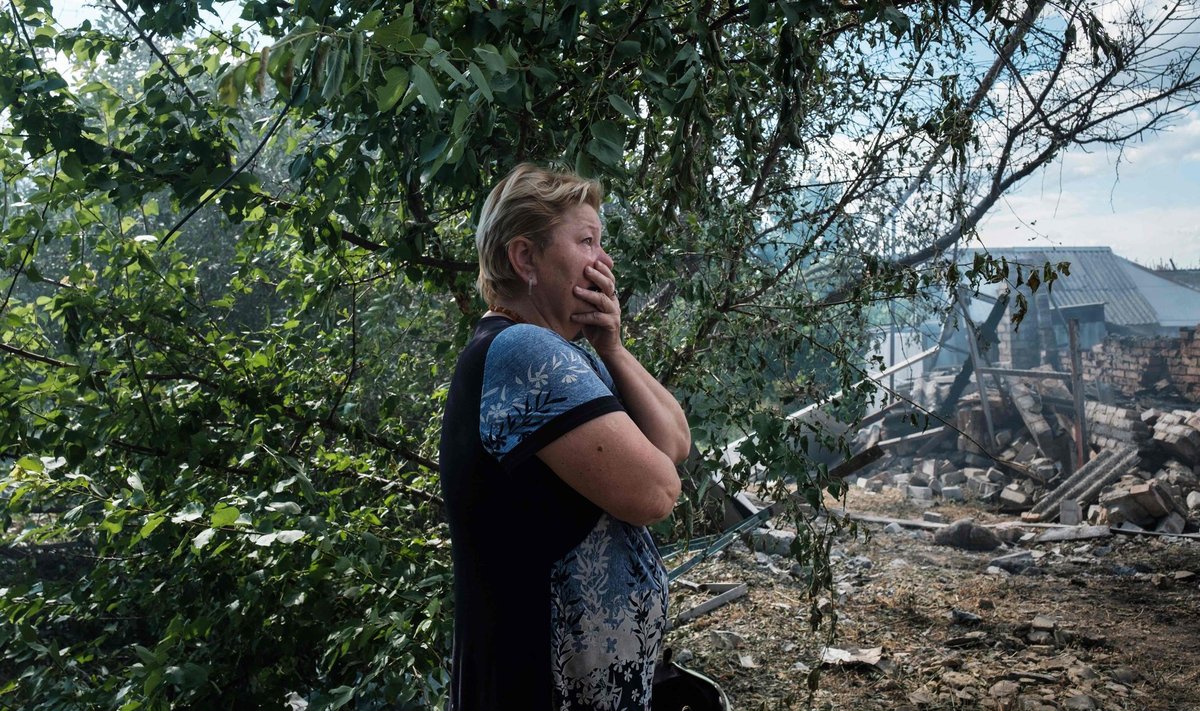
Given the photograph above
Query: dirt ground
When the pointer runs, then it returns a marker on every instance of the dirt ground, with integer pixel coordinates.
(1111, 623)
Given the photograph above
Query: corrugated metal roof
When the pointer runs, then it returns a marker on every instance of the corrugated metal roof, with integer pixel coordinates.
(1097, 275)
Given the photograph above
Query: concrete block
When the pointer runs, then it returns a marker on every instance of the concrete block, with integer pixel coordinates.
(996, 476)
(1124, 508)
(954, 477)
(1171, 523)
(953, 493)
(920, 493)
(772, 541)
(1014, 499)
(1149, 498)
(933, 517)
(1070, 512)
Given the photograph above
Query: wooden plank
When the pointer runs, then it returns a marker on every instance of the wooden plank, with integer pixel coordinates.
(914, 437)
(1040, 374)
(973, 349)
(1081, 433)
(711, 604)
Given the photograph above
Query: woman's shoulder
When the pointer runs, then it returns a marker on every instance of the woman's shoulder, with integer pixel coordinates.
(528, 338)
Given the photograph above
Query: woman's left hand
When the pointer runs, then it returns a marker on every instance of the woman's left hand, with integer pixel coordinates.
(602, 327)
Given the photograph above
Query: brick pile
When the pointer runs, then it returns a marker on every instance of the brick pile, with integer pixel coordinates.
(1110, 426)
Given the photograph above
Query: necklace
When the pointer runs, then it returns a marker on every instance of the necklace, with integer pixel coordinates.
(508, 313)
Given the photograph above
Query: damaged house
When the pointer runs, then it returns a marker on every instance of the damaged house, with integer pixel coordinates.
(1089, 411)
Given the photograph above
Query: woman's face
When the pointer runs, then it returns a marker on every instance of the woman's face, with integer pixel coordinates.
(560, 267)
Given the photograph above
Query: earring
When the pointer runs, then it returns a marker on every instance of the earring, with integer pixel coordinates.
(532, 283)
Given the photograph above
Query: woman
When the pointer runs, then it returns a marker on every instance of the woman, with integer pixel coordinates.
(553, 461)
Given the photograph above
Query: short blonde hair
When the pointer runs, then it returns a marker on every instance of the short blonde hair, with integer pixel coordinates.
(528, 202)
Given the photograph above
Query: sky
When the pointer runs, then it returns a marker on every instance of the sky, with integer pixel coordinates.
(1143, 203)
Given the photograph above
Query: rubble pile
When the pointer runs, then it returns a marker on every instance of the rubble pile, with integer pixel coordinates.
(1140, 469)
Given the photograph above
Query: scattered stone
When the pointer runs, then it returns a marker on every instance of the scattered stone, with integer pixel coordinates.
(953, 493)
(1171, 523)
(1080, 672)
(1004, 689)
(1080, 702)
(962, 617)
(893, 528)
(1125, 675)
(920, 493)
(772, 541)
(1013, 562)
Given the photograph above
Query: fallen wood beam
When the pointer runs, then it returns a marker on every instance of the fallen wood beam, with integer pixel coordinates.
(1131, 532)
(914, 437)
(709, 605)
(1039, 374)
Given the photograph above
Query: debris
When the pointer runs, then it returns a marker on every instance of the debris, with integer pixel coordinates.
(851, 657)
(1013, 562)
(968, 535)
(1081, 533)
(710, 605)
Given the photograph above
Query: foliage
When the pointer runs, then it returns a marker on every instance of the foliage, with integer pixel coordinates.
(239, 265)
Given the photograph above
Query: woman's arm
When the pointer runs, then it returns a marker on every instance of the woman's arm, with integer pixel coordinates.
(612, 464)
(650, 405)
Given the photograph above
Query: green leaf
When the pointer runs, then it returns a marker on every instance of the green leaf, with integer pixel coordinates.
(203, 538)
(148, 658)
(288, 536)
(153, 521)
(609, 145)
(623, 106)
(335, 68)
(31, 464)
(191, 512)
(480, 80)
(340, 696)
(492, 59)
(442, 62)
(223, 515)
(628, 48)
(427, 87)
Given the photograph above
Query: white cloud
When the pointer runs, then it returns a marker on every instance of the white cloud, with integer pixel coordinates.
(1147, 235)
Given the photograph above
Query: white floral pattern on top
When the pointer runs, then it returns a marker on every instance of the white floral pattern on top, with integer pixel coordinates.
(608, 616)
(523, 393)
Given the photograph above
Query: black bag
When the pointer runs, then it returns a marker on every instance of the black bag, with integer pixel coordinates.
(677, 688)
